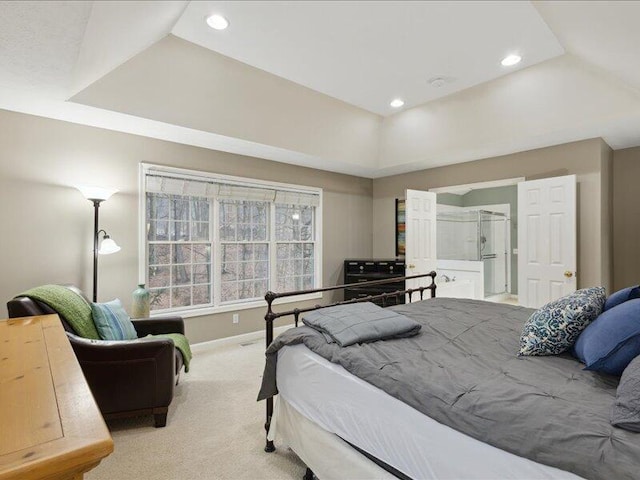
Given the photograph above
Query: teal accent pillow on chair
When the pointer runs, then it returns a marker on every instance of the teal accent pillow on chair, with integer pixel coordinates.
(112, 321)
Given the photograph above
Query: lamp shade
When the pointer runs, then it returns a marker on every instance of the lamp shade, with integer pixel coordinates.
(96, 193)
(108, 246)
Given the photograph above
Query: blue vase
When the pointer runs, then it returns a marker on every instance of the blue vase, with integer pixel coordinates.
(141, 299)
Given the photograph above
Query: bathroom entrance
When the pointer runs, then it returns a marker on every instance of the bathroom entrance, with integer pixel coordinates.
(477, 241)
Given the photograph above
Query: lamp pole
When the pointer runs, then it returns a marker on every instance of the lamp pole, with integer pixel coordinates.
(96, 206)
(96, 195)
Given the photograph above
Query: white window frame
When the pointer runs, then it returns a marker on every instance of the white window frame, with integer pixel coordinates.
(143, 254)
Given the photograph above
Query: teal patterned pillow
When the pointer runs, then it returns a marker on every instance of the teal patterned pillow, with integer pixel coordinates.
(555, 327)
(112, 321)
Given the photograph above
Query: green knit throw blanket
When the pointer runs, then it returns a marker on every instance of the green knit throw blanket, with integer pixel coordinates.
(182, 344)
(75, 309)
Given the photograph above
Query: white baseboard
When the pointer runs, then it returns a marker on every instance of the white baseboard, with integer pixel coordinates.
(237, 339)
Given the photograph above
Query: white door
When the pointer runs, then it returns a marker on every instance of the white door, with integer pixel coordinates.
(420, 236)
(546, 240)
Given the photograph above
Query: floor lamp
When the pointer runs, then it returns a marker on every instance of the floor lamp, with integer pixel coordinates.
(96, 195)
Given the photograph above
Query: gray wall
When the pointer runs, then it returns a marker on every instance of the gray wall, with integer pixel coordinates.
(606, 208)
(47, 224)
(626, 217)
(451, 199)
(588, 159)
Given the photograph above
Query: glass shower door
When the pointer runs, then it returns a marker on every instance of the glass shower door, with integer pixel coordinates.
(493, 252)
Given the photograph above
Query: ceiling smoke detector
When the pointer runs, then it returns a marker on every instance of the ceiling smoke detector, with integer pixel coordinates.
(441, 81)
(437, 82)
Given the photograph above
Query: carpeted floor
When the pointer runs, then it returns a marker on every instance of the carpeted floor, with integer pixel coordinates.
(214, 428)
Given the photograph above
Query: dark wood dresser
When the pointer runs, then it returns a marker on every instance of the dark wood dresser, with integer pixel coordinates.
(364, 270)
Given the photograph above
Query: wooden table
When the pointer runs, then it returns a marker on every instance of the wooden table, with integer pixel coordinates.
(50, 426)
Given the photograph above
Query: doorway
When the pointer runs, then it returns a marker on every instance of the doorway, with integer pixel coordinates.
(477, 240)
(530, 227)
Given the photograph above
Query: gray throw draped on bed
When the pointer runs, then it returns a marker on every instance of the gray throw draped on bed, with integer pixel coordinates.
(359, 322)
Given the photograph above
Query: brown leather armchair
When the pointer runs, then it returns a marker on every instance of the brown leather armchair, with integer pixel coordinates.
(127, 378)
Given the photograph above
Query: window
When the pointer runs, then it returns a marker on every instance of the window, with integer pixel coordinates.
(179, 251)
(213, 242)
(294, 247)
(244, 246)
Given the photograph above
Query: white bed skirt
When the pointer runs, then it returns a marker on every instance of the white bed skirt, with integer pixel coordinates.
(320, 403)
(328, 455)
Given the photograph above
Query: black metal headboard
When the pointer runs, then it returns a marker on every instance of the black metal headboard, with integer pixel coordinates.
(271, 316)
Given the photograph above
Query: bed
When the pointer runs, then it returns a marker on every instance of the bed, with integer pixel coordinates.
(474, 410)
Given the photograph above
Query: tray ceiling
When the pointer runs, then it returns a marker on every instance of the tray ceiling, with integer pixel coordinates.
(367, 53)
(309, 83)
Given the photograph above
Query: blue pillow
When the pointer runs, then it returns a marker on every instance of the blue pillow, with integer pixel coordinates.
(112, 322)
(613, 339)
(622, 296)
(555, 327)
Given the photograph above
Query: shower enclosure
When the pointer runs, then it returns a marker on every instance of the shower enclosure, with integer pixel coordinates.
(476, 235)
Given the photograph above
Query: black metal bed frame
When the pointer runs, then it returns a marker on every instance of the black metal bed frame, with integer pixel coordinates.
(271, 316)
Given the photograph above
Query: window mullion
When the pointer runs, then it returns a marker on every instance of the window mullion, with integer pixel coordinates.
(273, 268)
(170, 225)
(190, 226)
(216, 254)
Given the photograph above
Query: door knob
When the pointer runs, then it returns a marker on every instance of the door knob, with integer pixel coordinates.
(568, 274)
(411, 265)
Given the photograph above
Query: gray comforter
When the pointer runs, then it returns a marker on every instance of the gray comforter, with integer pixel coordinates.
(462, 370)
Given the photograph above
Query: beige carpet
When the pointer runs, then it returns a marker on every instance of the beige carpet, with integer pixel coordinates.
(214, 428)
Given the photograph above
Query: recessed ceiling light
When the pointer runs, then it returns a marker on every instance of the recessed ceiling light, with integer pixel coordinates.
(397, 103)
(217, 22)
(510, 60)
